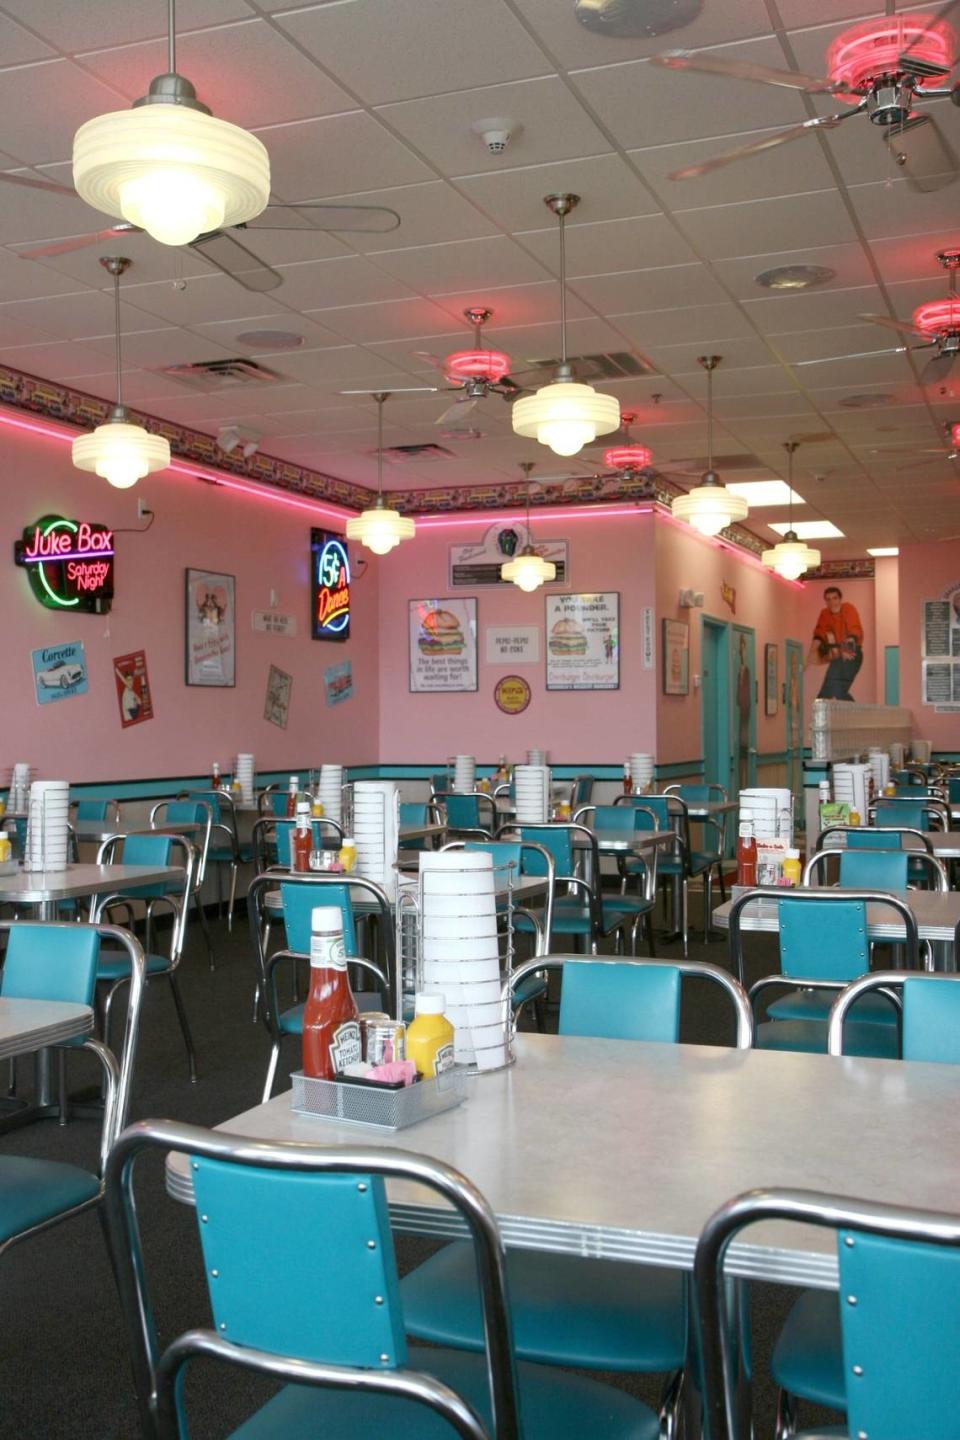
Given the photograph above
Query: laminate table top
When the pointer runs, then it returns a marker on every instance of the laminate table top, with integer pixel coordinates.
(937, 915)
(623, 1149)
(36, 887)
(100, 830)
(27, 1025)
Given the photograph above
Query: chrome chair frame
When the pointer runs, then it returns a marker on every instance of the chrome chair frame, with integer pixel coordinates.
(939, 809)
(200, 873)
(936, 867)
(158, 1375)
(438, 804)
(232, 835)
(924, 843)
(574, 883)
(887, 981)
(726, 1409)
(679, 886)
(649, 863)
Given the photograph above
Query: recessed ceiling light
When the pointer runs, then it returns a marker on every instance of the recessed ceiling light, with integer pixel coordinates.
(872, 400)
(795, 277)
(627, 18)
(764, 492)
(270, 339)
(884, 550)
(810, 529)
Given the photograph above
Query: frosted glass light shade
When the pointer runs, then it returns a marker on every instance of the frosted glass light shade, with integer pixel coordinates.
(710, 508)
(791, 558)
(565, 416)
(171, 170)
(528, 571)
(380, 529)
(121, 453)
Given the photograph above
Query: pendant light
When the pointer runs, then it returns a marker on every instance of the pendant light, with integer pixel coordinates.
(167, 165)
(528, 570)
(710, 507)
(119, 450)
(791, 557)
(565, 415)
(380, 529)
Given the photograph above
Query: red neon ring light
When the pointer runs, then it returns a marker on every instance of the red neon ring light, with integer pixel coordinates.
(863, 53)
(955, 436)
(628, 457)
(489, 365)
(937, 317)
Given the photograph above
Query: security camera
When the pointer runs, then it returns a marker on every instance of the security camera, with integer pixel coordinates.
(496, 134)
(238, 437)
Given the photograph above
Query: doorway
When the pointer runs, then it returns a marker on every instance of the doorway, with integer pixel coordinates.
(891, 674)
(715, 700)
(793, 720)
(744, 691)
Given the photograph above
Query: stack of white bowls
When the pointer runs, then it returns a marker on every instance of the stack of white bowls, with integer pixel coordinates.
(536, 757)
(49, 804)
(464, 774)
(879, 762)
(641, 772)
(376, 809)
(769, 810)
(331, 791)
(460, 954)
(19, 788)
(244, 773)
(532, 789)
(851, 787)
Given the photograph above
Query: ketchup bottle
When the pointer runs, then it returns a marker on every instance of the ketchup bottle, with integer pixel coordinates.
(331, 1029)
(301, 841)
(627, 779)
(215, 777)
(292, 796)
(746, 855)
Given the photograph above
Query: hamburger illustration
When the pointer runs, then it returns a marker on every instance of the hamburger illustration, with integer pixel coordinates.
(566, 638)
(440, 634)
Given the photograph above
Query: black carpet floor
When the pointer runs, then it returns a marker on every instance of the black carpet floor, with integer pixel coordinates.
(64, 1370)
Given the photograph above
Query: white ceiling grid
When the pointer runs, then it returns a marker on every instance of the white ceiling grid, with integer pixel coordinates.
(374, 100)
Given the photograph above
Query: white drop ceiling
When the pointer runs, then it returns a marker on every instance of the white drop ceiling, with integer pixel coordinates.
(374, 100)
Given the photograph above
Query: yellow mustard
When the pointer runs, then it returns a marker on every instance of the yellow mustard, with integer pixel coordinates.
(429, 1041)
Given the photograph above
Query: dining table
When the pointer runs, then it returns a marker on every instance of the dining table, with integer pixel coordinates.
(43, 890)
(96, 831)
(31, 1027)
(945, 844)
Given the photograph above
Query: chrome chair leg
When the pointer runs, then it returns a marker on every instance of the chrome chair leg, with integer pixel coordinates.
(670, 1412)
(271, 1071)
(62, 1085)
(201, 916)
(184, 1026)
(234, 867)
(684, 915)
(785, 1426)
(650, 940)
(707, 904)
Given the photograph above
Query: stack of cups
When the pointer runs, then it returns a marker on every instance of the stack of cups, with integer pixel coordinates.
(920, 750)
(331, 791)
(376, 809)
(19, 788)
(460, 954)
(641, 772)
(49, 804)
(464, 774)
(536, 757)
(532, 788)
(244, 774)
(879, 762)
(765, 809)
(897, 752)
(850, 787)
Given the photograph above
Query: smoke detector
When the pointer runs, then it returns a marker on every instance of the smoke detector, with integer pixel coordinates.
(239, 438)
(496, 133)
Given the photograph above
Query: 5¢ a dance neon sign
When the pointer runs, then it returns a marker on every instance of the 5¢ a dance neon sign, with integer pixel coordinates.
(69, 563)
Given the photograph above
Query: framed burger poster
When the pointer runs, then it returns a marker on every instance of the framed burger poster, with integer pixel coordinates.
(583, 641)
(443, 645)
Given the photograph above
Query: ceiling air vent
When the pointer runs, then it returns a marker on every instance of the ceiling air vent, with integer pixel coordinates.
(220, 374)
(615, 365)
(408, 454)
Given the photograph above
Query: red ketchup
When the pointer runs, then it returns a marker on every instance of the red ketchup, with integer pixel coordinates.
(301, 840)
(746, 855)
(331, 1029)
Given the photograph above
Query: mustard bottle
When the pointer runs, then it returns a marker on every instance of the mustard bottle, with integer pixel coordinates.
(6, 849)
(429, 1040)
(792, 869)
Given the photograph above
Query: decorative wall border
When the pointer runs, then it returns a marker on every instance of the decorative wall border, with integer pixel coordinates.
(844, 570)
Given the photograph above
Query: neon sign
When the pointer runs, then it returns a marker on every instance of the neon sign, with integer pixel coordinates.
(330, 586)
(69, 563)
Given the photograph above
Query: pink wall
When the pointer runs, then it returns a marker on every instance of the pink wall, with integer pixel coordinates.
(763, 602)
(925, 572)
(263, 544)
(886, 591)
(859, 593)
(613, 553)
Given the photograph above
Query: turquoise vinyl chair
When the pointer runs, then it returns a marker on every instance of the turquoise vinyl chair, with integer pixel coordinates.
(346, 1368)
(683, 863)
(414, 813)
(807, 1361)
(105, 810)
(299, 895)
(225, 850)
(473, 815)
(191, 812)
(627, 818)
(580, 910)
(57, 960)
(570, 1310)
(900, 1272)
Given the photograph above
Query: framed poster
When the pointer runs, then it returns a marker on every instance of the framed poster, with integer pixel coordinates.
(583, 641)
(276, 705)
(941, 651)
(338, 682)
(676, 657)
(443, 645)
(59, 672)
(479, 561)
(211, 628)
(771, 679)
(133, 688)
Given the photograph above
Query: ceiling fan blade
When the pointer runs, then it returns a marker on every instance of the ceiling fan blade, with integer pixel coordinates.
(770, 142)
(361, 219)
(78, 242)
(910, 59)
(929, 160)
(938, 368)
(922, 464)
(432, 360)
(235, 260)
(903, 327)
(457, 410)
(32, 184)
(853, 355)
(743, 70)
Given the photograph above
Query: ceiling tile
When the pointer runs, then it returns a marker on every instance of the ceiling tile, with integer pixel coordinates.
(802, 167)
(29, 214)
(638, 290)
(678, 360)
(694, 327)
(209, 297)
(438, 269)
(56, 360)
(608, 190)
(42, 105)
(149, 261)
(516, 305)
(69, 26)
(394, 320)
(611, 245)
(322, 284)
(790, 221)
(382, 56)
(739, 273)
(346, 366)
(892, 209)
(18, 46)
(816, 345)
(226, 333)
(430, 213)
(575, 45)
(337, 155)
(913, 257)
(77, 315)
(804, 311)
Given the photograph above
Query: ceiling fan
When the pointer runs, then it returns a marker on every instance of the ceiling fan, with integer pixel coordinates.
(953, 440)
(475, 373)
(629, 463)
(882, 68)
(936, 322)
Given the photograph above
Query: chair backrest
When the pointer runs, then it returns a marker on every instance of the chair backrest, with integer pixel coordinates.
(620, 1001)
(186, 812)
(864, 838)
(616, 817)
(930, 1018)
(440, 783)
(211, 798)
(874, 869)
(463, 812)
(557, 839)
(899, 1273)
(660, 805)
(278, 802)
(299, 900)
(98, 810)
(323, 1289)
(582, 790)
(51, 962)
(414, 812)
(695, 794)
(825, 941)
(902, 812)
(146, 849)
(953, 789)
(504, 853)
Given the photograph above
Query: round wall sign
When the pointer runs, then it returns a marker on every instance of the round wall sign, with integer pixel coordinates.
(512, 694)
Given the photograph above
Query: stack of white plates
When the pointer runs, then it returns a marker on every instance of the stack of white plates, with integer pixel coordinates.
(532, 789)
(244, 773)
(464, 774)
(331, 790)
(460, 954)
(641, 772)
(49, 804)
(879, 762)
(920, 750)
(536, 757)
(850, 787)
(376, 808)
(769, 810)
(19, 788)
